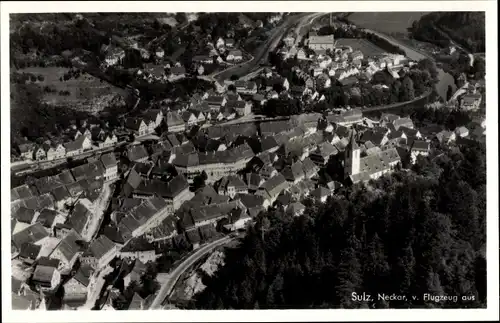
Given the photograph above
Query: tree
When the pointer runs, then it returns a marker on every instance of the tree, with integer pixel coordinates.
(478, 68)
(199, 181)
(449, 93)
(234, 77)
(408, 91)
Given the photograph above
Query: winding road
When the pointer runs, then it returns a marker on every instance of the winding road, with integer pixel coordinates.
(270, 45)
(173, 277)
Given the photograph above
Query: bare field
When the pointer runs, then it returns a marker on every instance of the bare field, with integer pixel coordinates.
(386, 22)
(363, 45)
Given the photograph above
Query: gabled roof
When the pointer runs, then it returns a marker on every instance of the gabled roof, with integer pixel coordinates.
(178, 70)
(23, 215)
(60, 193)
(88, 171)
(21, 192)
(275, 185)
(137, 302)
(212, 211)
(137, 152)
(109, 160)
(408, 131)
(309, 167)
(76, 144)
(250, 200)
(43, 274)
(166, 190)
(173, 119)
(174, 141)
(165, 229)
(407, 122)
(293, 172)
(420, 145)
(374, 137)
(143, 169)
(47, 184)
(320, 192)
(47, 217)
(273, 127)
(31, 234)
(134, 123)
(295, 208)
(378, 162)
(79, 217)
(233, 181)
(101, 246)
(326, 149)
(30, 251)
(83, 274)
(65, 177)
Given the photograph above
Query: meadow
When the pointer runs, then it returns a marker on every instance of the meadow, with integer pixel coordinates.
(363, 45)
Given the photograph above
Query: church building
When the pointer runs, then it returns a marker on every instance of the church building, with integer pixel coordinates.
(371, 166)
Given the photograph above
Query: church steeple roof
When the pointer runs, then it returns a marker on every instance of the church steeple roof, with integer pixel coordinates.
(352, 141)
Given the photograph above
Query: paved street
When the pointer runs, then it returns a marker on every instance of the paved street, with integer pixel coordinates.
(173, 277)
(95, 287)
(97, 208)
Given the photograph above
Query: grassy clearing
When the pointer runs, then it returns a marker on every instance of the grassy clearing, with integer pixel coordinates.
(82, 90)
(363, 45)
(387, 22)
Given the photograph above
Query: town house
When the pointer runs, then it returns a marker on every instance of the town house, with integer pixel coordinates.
(174, 122)
(77, 147)
(110, 166)
(155, 115)
(189, 118)
(67, 252)
(245, 87)
(321, 42)
(101, 251)
(39, 153)
(138, 126)
(215, 102)
(56, 151)
(46, 276)
(108, 140)
(76, 289)
(234, 56)
(114, 56)
(27, 150)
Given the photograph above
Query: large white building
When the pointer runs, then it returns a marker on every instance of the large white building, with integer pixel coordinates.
(321, 42)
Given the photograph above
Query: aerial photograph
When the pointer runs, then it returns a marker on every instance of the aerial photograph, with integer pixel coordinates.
(247, 160)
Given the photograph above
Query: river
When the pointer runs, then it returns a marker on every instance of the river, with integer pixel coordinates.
(445, 79)
(441, 87)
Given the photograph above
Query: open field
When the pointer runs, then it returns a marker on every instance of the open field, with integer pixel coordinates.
(83, 92)
(386, 22)
(363, 45)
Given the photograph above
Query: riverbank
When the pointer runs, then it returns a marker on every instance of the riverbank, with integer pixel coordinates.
(397, 104)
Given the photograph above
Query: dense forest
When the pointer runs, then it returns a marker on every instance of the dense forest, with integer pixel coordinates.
(409, 233)
(440, 28)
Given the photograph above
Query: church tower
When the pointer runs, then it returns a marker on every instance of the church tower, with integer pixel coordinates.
(352, 156)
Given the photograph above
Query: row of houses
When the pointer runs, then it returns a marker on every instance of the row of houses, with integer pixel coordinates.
(82, 139)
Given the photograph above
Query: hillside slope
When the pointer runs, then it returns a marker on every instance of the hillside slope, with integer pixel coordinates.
(442, 28)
